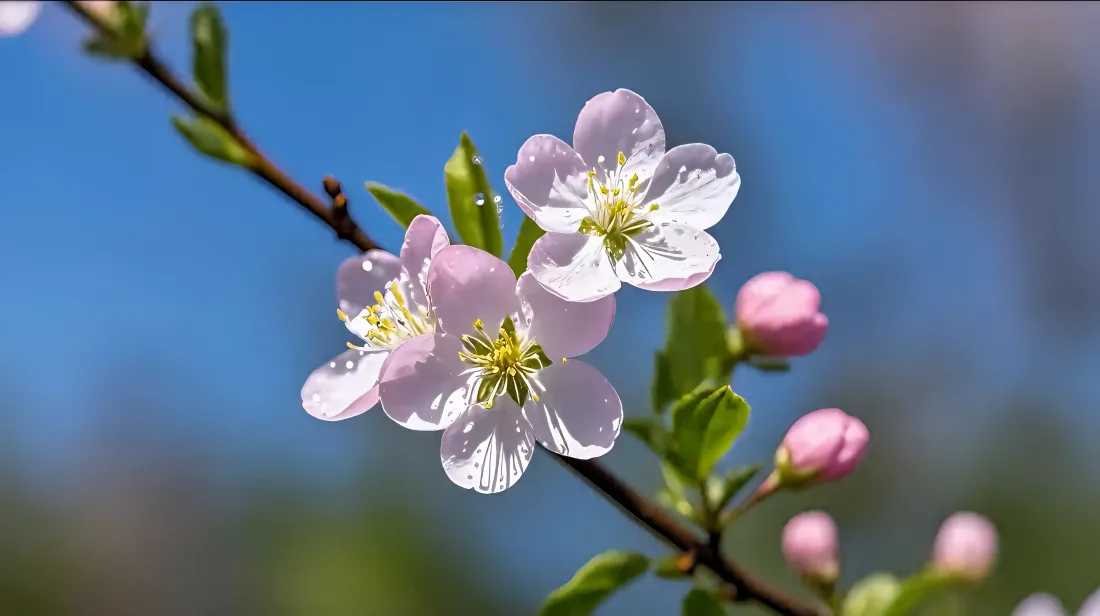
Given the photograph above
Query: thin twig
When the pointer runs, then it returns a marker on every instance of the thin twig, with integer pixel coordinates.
(742, 585)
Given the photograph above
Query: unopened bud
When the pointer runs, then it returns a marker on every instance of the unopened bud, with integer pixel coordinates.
(965, 546)
(810, 546)
(825, 445)
(780, 315)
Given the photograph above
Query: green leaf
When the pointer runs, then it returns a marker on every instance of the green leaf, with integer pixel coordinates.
(662, 391)
(471, 197)
(209, 138)
(704, 425)
(700, 602)
(919, 588)
(105, 48)
(209, 38)
(529, 231)
(401, 206)
(721, 490)
(594, 582)
(648, 430)
(871, 596)
(669, 568)
(696, 350)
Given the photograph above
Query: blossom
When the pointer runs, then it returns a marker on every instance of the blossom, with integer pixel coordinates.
(1043, 604)
(966, 545)
(16, 17)
(821, 446)
(388, 295)
(810, 545)
(617, 207)
(494, 375)
(780, 315)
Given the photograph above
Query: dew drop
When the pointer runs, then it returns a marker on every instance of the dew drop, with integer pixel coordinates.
(466, 429)
(531, 158)
(349, 365)
(367, 266)
(477, 160)
(332, 364)
(316, 397)
(479, 199)
(497, 199)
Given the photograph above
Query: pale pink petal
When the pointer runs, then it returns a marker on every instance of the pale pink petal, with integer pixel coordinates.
(1041, 604)
(487, 449)
(573, 266)
(423, 384)
(424, 238)
(578, 413)
(466, 284)
(550, 183)
(1091, 606)
(693, 185)
(564, 329)
(345, 386)
(668, 253)
(619, 121)
(360, 276)
(16, 17)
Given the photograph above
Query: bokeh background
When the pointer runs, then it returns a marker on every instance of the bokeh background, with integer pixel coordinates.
(933, 168)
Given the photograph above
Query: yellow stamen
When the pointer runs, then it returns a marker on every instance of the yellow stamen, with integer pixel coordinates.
(591, 174)
(615, 192)
(478, 325)
(654, 207)
(340, 315)
(378, 297)
(622, 159)
(534, 396)
(603, 189)
(633, 181)
(397, 294)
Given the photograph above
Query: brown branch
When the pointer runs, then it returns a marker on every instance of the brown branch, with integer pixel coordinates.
(740, 585)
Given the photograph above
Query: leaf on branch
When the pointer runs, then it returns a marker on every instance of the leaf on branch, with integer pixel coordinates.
(700, 602)
(649, 431)
(662, 391)
(105, 48)
(919, 588)
(209, 138)
(473, 203)
(595, 582)
(720, 491)
(529, 231)
(871, 596)
(671, 568)
(704, 426)
(210, 39)
(125, 39)
(696, 351)
(402, 207)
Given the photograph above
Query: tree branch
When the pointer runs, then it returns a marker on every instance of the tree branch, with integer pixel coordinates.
(744, 585)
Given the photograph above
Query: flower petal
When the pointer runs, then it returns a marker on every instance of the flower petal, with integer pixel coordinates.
(16, 17)
(344, 387)
(578, 413)
(573, 266)
(619, 121)
(423, 384)
(1041, 604)
(694, 185)
(424, 238)
(466, 284)
(550, 183)
(668, 257)
(360, 276)
(1091, 606)
(488, 449)
(564, 329)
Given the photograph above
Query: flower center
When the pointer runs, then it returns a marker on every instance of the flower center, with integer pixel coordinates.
(505, 364)
(618, 210)
(389, 322)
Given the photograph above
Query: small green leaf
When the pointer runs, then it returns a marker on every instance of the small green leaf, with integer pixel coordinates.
(662, 391)
(208, 137)
(594, 582)
(704, 425)
(401, 206)
(871, 596)
(919, 588)
(132, 17)
(529, 231)
(770, 364)
(648, 430)
(700, 602)
(209, 38)
(721, 490)
(696, 350)
(473, 210)
(670, 568)
(105, 48)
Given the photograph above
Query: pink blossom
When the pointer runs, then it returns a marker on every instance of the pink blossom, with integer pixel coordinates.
(810, 545)
(966, 545)
(780, 315)
(824, 445)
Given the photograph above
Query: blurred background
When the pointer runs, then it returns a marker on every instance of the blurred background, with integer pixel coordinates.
(933, 168)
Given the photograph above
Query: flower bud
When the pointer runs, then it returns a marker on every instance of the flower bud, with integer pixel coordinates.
(780, 315)
(810, 546)
(966, 546)
(1040, 604)
(821, 446)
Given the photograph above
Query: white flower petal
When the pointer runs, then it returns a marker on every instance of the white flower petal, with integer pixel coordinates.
(668, 257)
(619, 121)
(1040, 604)
(550, 183)
(345, 386)
(573, 266)
(488, 449)
(466, 284)
(578, 414)
(1091, 606)
(562, 328)
(360, 276)
(694, 185)
(424, 238)
(16, 17)
(423, 384)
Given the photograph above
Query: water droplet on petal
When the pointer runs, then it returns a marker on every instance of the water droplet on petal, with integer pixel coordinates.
(479, 199)
(477, 160)
(531, 158)
(332, 364)
(316, 397)
(367, 266)
(349, 365)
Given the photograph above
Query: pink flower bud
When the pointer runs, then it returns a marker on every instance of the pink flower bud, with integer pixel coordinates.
(780, 315)
(810, 545)
(824, 445)
(966, 545)
(1040, 604)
